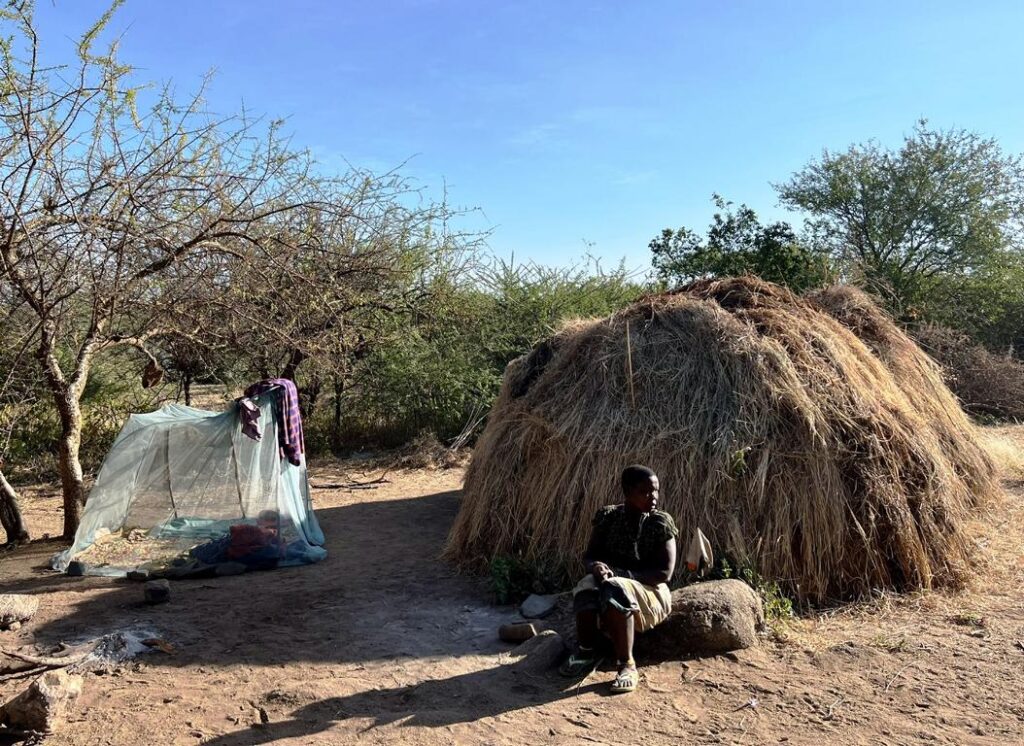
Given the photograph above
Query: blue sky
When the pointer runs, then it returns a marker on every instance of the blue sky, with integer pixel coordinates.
(584, 126)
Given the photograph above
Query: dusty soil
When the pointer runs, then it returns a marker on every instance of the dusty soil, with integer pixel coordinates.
(382, 643)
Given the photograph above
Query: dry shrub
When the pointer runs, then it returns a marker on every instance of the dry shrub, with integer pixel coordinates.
(774, 427)
(425, 451)
(988, 384)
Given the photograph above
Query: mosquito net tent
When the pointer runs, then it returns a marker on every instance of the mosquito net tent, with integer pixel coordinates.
(183, 487)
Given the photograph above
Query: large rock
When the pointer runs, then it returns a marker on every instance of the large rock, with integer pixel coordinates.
(707, 618)
(16, 608)
(43, 707)
(539, 654)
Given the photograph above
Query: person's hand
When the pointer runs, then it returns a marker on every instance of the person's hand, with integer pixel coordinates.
(601, 572)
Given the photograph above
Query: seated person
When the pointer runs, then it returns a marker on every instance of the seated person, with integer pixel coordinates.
(629, 561)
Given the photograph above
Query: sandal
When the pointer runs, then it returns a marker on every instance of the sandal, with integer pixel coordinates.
(626, 679)
(580, 663)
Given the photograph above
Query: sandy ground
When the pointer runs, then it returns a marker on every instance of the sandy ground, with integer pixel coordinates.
(382, 643)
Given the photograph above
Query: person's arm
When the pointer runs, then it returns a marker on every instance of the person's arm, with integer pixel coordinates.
(663, 567)
(591, 561)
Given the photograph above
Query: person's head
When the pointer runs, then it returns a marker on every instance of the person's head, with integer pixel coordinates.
(640, 488)
(268, 519)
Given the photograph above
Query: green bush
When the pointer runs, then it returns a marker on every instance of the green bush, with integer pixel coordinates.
(513, 579)
(777, 605)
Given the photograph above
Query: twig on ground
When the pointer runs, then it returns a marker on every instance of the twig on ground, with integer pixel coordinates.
(831, 708)
(897, 675)
(751, 703)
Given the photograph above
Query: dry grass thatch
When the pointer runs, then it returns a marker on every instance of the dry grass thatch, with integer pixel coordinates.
(808, 437)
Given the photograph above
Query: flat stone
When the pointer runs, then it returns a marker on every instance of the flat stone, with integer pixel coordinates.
(138, 574)
(44, 706)
(157, 591)
(537, 606)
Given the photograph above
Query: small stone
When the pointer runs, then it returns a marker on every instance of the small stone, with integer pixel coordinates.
(76, 568)
(518, 632)
(225, 569)
(14, 626)
(157, 591)
(537, 606)
(138, 575)
(43, 707)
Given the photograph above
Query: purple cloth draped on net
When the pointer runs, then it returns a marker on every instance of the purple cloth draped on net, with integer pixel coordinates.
(289, 435)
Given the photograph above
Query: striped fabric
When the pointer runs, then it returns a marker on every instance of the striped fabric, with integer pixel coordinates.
(289, 435)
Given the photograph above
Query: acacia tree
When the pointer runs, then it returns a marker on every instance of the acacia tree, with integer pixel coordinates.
(16, 389)
(113, 219)
(340, 286)
(936, 211)
(738, 243)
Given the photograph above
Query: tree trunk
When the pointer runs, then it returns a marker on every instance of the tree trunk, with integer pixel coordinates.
(10, 513)
(295, 359)
(71, 478)
(67, 393)
(186, 385)
(339, 390)
(309, 395)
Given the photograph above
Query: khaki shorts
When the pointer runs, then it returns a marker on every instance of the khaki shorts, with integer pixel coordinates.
(654, 602)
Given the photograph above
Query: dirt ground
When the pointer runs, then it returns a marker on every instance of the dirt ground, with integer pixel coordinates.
(382, 643)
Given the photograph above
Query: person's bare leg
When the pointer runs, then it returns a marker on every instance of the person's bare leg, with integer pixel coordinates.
(586, 657)
(619, 628)
(587, 633)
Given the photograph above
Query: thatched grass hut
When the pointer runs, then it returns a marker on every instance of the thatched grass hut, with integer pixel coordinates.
(808, 437)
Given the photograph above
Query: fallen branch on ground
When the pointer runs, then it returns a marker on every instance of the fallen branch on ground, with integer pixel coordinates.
(354, 485)
(45, 661)
(31, 671)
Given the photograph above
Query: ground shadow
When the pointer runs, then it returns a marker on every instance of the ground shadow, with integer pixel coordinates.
(433, 703)
(382, 593)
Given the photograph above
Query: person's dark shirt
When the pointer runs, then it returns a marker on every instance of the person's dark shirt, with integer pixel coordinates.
(629, 540)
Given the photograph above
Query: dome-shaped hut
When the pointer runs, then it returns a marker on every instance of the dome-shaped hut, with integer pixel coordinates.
(808, 437)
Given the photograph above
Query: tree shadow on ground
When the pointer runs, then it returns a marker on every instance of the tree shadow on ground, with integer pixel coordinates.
(434, 703)
(382, 593)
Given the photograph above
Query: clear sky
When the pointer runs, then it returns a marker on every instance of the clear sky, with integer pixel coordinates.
(577, 124)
